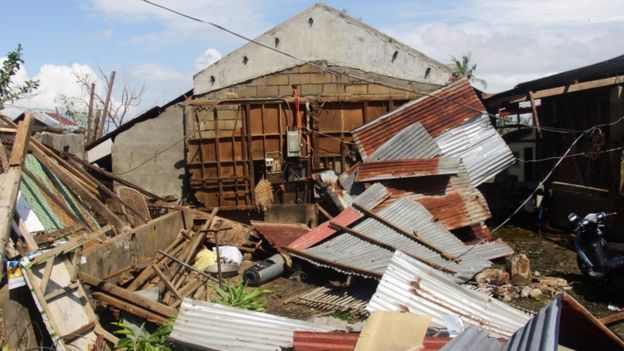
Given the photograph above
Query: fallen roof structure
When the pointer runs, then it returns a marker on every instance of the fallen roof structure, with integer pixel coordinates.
(209, 326)
(411, 286)
(366, 248)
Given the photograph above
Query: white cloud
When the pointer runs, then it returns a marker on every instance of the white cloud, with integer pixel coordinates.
(246, 17)
(515, 41)
(207, 58)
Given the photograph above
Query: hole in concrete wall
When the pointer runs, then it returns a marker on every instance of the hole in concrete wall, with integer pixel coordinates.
(310, 21)
(427, 71)
(212, 80)
(276, 42)
(245, 60)
(394, 56)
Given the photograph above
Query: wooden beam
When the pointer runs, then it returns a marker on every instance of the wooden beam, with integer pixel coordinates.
(386, 246)
(70, 245)
(168, 283)
(4, 159)
(130, 296)
(560, 90)
(400, 230)
(138, 311)
(536, 120)
(55, 235)
(10, 181)
(47, 272)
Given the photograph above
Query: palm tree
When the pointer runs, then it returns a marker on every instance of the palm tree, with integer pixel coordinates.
(465, 68)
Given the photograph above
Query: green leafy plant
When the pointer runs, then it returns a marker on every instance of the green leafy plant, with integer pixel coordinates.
(9, 89)
(236, 295)
(157, 340)
(344, 315)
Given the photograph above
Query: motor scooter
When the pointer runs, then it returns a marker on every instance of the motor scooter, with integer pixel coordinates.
(596, 258)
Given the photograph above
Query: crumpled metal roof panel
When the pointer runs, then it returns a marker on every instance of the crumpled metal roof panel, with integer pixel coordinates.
(442, 110)
(473, 339)
(280, 234)
(209, 326)
(406, 168)
(482, 150)
(411, 142)
(410, 285)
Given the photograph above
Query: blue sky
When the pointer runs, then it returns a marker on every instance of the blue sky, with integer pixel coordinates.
(512, 41)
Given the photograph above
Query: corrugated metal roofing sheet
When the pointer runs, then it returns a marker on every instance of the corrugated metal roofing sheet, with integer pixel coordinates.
(336, 341)
(411, 142)
(369, 199)
(410, 285)
(280, 234)
(482, 150)
(541, 333)
(371, 249)
(408, 168)
(444, 109)
(209, 326)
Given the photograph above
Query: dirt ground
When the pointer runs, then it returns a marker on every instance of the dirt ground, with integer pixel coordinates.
(552, 253)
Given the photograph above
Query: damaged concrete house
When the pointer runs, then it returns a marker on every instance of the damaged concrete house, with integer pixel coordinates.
(364, 158)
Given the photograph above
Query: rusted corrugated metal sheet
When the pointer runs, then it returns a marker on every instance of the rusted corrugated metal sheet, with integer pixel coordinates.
(410, 285)
(369, 199)
(335, 341)
(324, 230)
(280, 234)
(332, 341)
(411, 142)
(408, 168)
(445, 109)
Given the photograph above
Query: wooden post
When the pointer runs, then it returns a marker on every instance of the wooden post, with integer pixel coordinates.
(90, 115)
(10, 181)
(536, 120)
(102, 126)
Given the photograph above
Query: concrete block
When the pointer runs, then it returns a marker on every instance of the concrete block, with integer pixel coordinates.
(257, 82)
(299, 78)
(311, 89)
(321, 78)
(341, 78)
(267, 91)
(378, 89)
(247, 91)
(333, 89)
(226, 114)
(359, 89)
(284, 90)
(307, 68)
(277, 79)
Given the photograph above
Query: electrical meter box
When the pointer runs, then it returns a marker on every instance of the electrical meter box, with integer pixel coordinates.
(293, 147)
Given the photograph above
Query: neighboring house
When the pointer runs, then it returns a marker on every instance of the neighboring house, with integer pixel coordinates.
(51, 120)
(574, 100)
(244, 122)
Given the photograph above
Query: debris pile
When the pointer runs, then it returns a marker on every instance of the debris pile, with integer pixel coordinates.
(406, 254)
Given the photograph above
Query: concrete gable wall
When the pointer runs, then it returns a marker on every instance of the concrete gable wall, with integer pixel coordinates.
(322, 33)
(141, 147)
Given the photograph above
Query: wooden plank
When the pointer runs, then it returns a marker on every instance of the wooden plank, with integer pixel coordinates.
(19, 329)
(55, 235)
(58, 292)
(148, 272)
(167, 282)
(385, 246)
(84, 194)
(38, 149)
(129, 296)
(31, 244)
(413, 236)
(536, 120)
(4, 159)
(46, 274)
(130, 308)
(22, 139)
(10, 182)
(69, 337)
(70, 245)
